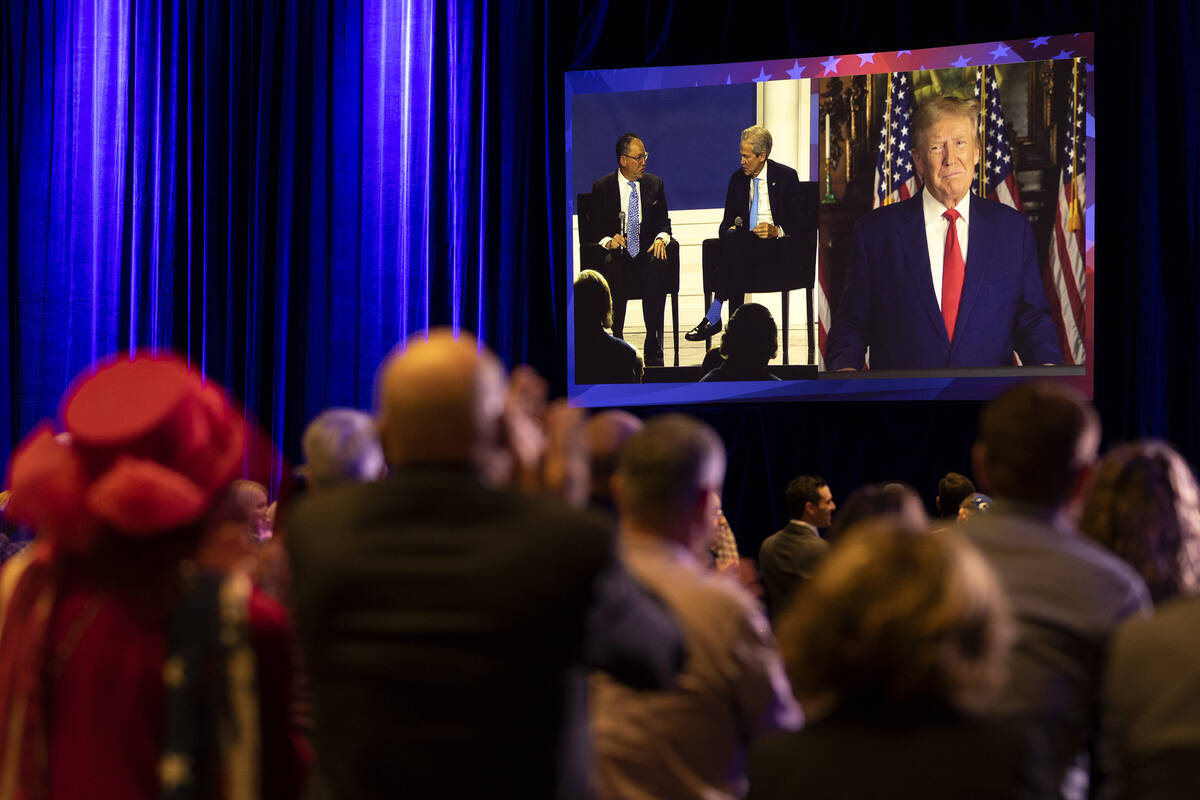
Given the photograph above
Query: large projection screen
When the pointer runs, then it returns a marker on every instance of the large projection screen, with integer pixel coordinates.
(840, 121)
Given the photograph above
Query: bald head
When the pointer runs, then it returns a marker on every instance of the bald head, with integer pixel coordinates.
(441, 400)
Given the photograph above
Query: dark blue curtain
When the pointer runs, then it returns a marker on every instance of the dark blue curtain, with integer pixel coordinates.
(282, 191)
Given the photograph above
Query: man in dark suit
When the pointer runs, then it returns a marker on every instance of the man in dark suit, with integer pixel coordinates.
(925, 292)
(787, 558)
(447, 626)
(636, 243)
(766, 196)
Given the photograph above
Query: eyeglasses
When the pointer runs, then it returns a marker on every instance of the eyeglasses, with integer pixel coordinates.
(641, 158)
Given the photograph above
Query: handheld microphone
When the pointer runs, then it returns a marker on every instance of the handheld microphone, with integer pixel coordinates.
(737, 224)
(621, 218)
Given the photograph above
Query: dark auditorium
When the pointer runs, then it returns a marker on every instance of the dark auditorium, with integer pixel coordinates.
(599, 401)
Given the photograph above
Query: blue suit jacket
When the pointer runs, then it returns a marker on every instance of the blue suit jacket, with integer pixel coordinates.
(889, 303)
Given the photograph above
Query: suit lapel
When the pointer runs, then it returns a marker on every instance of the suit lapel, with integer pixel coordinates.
(979, 244)
(614, 197)
(772, 194)
(916, 261)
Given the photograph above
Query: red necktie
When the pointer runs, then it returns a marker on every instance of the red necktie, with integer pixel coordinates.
(953, 269)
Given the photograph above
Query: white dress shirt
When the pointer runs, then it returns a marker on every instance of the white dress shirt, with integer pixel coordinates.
(626, 190)
(936, 228)
(764, 199)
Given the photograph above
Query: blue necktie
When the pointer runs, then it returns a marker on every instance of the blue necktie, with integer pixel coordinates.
(754, 206)
(634, 226)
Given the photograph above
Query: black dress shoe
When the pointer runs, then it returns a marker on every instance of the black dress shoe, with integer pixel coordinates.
(704, 330)
(653, 361)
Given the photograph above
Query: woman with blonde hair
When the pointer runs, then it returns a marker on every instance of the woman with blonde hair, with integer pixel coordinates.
(898, 639)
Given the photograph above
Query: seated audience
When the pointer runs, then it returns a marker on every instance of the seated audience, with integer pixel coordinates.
(448, 622)
(341, 446)
(600, 357)
(952, 489)
(128, 668)
(1142, 504)
(896, 642)
(748, 346)
(787, 558)
(1036, 444)
(878, 500)
(689, 742)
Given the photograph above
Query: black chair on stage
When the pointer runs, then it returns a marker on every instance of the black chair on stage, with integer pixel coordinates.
(797, 269)
(591, 256)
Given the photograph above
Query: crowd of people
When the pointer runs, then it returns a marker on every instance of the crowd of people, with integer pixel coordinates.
(478, 592)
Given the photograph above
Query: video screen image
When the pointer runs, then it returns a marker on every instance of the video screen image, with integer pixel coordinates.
(893, 225)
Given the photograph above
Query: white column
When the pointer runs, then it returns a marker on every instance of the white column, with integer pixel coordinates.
(785, 109)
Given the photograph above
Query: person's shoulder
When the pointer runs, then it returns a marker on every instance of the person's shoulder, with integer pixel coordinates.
(621, 345)
(651, 181)
(604, 181)
(782, 171)
(1173, 622)
(997, 213)
(888, 217)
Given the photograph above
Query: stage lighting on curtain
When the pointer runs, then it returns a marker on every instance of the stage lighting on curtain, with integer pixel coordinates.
(281, 191)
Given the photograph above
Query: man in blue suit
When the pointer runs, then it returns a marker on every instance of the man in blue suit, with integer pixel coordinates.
(944, 279)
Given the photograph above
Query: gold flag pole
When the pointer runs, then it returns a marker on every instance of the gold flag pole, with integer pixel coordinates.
(1074, 218)
(983, 131)
(887, 141)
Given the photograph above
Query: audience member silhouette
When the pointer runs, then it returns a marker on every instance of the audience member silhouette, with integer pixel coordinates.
(607, 433)
(1036, 444)
(600, 357)
(748, 346)
(127, 669)
(877, 500)
(447, 624)
(952, 489)
(976, 503)
(690, 742)
(787, 558)
(898, 639)
(1142, 504)
(341, 445)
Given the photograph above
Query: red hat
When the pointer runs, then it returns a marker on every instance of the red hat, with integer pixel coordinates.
(146, 448)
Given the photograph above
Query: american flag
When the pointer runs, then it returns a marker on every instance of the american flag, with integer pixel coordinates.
(1064, 274)
(996, 159)
(895, 180)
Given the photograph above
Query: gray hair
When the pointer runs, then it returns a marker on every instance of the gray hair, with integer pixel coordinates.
(340, 446)
(759, 139)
